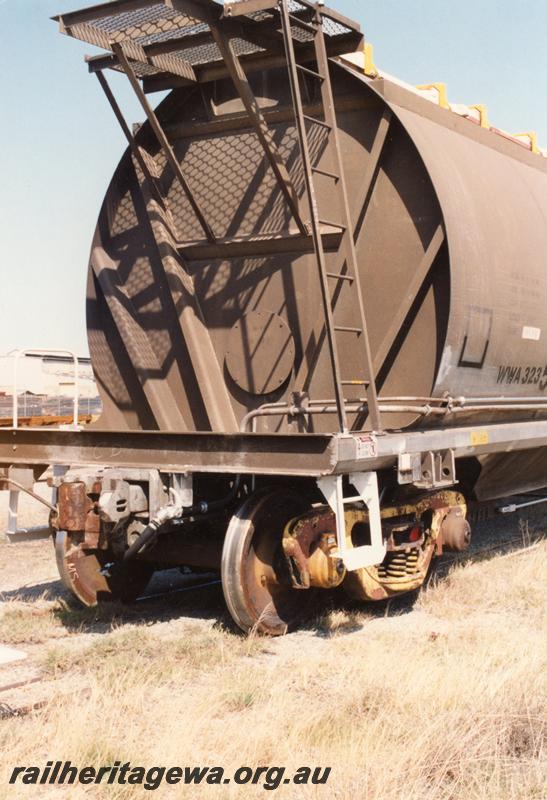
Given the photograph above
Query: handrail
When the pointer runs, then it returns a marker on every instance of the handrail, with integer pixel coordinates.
(53, 352)
(397, 405)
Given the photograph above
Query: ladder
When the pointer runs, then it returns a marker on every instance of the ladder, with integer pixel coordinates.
(336, 285)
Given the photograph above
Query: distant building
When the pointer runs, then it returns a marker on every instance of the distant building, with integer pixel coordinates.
(46, 384)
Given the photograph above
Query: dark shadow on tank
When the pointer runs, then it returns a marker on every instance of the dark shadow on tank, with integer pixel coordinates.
(226, 172)
(438, 268)
(141, 258)
(116, 379)
(132, 292)
(230, 173)
(402, 167)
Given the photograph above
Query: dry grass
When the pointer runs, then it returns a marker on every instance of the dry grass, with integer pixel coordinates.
(39, 621)
(25, 623)
(446, 702)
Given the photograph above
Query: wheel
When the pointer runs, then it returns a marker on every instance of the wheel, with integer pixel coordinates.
(456, 531)
(80, 572)
(255, 587)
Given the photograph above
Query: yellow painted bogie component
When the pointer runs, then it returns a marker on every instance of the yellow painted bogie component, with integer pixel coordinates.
(408, 574)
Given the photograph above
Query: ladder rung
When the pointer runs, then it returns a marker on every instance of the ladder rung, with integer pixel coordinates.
(316, 121)
(355, 383)
(332, 224)
(337, 276)
(310, 72)
(326, 173)
(345, 329)
(307, 26)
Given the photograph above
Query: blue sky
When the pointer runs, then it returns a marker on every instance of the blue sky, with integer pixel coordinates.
(60, 143)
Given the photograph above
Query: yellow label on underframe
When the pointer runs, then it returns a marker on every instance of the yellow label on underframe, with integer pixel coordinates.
(479, 437)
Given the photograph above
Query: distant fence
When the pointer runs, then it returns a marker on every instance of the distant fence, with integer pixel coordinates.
(30, 405)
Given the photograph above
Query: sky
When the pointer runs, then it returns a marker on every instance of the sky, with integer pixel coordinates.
(60, 143)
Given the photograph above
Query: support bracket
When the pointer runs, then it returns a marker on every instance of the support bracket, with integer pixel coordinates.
(429, 470)
(366, 484)
(22, 479)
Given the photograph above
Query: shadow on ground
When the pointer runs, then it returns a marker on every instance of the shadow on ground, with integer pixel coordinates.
(172, 594)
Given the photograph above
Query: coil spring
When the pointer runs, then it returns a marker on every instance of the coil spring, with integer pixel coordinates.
(400, 564)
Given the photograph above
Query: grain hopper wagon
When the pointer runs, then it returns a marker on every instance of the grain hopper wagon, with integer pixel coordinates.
(316, 316)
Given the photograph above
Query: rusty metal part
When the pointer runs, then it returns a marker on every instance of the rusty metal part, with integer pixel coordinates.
(92, 536)
(78, 514)
(80, 570)
(455, 533)
(404, 569)
(101, 512)
(74, 505)
(412, 533)
(255, 582)
(309, 544)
